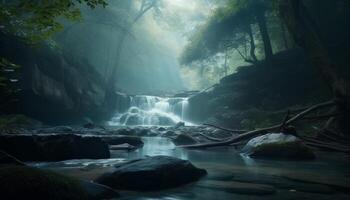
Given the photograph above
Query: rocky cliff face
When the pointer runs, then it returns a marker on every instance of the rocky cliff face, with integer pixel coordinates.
(260, 93)
(56, 87)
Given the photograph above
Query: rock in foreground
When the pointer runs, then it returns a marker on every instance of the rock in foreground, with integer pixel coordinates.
(278, 146)
(54, 147)
(152, 173)
(22, 182)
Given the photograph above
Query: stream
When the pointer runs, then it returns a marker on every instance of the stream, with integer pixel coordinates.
(327, 177)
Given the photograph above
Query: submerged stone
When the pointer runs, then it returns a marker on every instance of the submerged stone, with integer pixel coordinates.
(278, 146)
(152, 173)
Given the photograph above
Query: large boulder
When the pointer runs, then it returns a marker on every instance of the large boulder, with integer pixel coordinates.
(54, 147)
(278, 146)
(184, 139)
(152, 173)
(23, 182)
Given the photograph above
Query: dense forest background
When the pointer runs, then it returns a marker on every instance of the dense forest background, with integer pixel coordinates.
(81, 60)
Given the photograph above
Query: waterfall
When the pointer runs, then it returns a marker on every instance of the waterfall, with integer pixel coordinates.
(184, 106)
(151, 110)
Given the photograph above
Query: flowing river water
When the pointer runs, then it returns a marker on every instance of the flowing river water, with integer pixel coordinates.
(327, 177)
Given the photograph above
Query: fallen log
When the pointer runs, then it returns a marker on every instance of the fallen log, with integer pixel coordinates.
(212, 138)
(257, 132)
(225, 129)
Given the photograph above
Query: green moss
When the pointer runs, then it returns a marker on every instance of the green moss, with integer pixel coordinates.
(32, 183)
(16, 121)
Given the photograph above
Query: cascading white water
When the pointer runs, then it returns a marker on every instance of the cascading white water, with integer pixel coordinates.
(151, 110)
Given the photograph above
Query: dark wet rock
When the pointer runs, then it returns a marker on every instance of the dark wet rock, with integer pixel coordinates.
(56, 129)
(22, 182)
(54, 147)
(17, 122)
(278, 146)
(126, 131)
(141, 132)
(152, 173)
(89, 125)
(161, 129)
(117, 140)
(127, 147)
(184, 139)
(179, 124)
(238, 187)
(6, 159)
(169, 134)
(153, 133)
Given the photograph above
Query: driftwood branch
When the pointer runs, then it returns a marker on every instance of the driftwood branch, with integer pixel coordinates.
(212, 138)
(284, 121)
(257, 132)
(225, 129)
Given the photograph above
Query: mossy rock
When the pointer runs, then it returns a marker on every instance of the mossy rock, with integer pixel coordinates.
(184, 139)
(278, 146)
(17, 121)
(18, 182)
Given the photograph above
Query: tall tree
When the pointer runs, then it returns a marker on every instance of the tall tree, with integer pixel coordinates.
(145, 6)
(307, 35)
(232, 26)
(38, 20)
(33, 22)
(259, 8)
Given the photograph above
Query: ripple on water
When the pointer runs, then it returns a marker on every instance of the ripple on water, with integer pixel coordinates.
(224, 163)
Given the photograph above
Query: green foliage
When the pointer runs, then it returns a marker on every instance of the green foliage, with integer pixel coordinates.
(39, 20)
(5, 65)
(7, 92)
(16, 121)
(17, 181)
(223, 29)
(34, 21)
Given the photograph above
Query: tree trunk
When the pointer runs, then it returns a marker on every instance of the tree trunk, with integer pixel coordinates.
(252, 44)
(284, 35)
(110, 88)
(305, 35)
(225, 64)
(261, 19)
